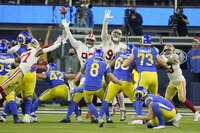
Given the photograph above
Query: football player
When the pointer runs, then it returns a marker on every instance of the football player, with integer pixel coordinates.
(83, 50)
(145, 57)
(56, 86)
(177, 81)
(11, 104)
(94, 69)
(121, 72)
(160, 111)
(28, 60)
(111, 45)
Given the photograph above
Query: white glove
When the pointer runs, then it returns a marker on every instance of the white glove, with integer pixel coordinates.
(107, 15)
(59, 39)
(64, 40)
(65, 24)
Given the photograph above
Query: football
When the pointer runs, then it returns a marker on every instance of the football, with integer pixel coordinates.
(63, 10)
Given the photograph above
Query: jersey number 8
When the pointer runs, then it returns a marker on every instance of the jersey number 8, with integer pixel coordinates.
(94, 71)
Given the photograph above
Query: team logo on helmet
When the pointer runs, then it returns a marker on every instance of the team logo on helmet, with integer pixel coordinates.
(24, 38)
(140, 93)
(51, 67)
(146, 40)
(3, 48)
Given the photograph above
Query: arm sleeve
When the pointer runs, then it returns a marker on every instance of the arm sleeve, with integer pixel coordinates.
(73, 41)
(104, 31)
(188, 61)
(51, 48)
(8, 61)
(108, 69)
(14, 49)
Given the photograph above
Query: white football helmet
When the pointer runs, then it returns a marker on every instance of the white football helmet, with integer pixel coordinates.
(32, 45)
(168, 50)
(116, 35)
(90, 40)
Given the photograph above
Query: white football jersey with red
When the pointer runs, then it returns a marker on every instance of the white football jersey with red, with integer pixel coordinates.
(84, 52)
(28, 60)
(110, 49)
(176, 75)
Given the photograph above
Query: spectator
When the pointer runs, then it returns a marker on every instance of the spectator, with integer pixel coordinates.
(72, 63)
(179, 21)
(193, 60)
(41, 65)
(133, 22)
(41, 42)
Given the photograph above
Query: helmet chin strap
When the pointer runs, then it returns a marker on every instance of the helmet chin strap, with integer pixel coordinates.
(89, 45)
(115, 39)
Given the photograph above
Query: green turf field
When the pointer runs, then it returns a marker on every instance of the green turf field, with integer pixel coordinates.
(49, 123)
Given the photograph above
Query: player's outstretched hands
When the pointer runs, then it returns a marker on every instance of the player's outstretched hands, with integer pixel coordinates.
(59, 39)
(107, 14)
(65, 24)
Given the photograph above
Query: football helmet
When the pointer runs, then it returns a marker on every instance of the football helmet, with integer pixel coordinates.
(35, 41)
(168, 50)
(116, 35)
(98, 53)
(24, 38)
(3, 48)
(129, 49)
(51, 67)
(145, 40)
(140, 93)
(90, 40)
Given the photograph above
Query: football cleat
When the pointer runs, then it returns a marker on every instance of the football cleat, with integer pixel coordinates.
(33, 119)
(88, 115)
(175, 123)
(66, 120)
(159, 127)
(123, 115)
(178, 117)
(136, 122)
(196, 116)
(2, 119)
(17, 121)
(109, 120)
(113, 110)
(26, 118)
(79, 119)
(101, 122)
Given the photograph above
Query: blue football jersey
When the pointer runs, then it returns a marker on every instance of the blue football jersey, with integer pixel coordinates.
(95, 69)
(55, 78)
(145, 59)
(5, 68)
(20, 51)
(120, 70)
(159, 99)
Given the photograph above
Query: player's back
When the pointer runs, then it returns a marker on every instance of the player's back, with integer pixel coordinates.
(120, 70)
(95, 69)
(5, 67)
(55, 78)
(159, 99)
(21, 50)
(145, 59)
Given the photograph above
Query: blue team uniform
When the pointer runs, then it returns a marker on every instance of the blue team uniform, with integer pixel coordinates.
(145, 61)
(95, 69)
(160, 104)
(5, 68)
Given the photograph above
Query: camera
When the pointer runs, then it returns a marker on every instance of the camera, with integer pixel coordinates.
(129, 12)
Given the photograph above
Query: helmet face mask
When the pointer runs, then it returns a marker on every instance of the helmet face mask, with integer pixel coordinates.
(168, 50)
(32, 45)
(24, 38)
(116, 35)
(90, 40)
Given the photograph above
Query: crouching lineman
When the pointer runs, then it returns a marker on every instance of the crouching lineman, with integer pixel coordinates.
(56, 86)
(177, 81)
(125, 74)
(160, 111)
(11, 104)
(28, 60)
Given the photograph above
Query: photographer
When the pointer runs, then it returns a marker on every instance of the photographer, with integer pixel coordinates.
(84, 15)
(178, 21)
(132, 22)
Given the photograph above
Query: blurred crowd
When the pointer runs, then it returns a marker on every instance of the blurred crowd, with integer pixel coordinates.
(106, 2)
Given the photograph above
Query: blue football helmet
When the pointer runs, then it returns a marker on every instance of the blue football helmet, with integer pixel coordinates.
(140, 93)
(145, 40)
(129, 49)
(3, 48)
(98, 53)
(24, 38)
(51, 67)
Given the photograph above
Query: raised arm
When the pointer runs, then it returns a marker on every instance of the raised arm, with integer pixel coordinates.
(76, 44)
(129, 60)
(104, 31)
(162, 63)
(42, 76)
(29, 29)
(47, 36)
(14, 49)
